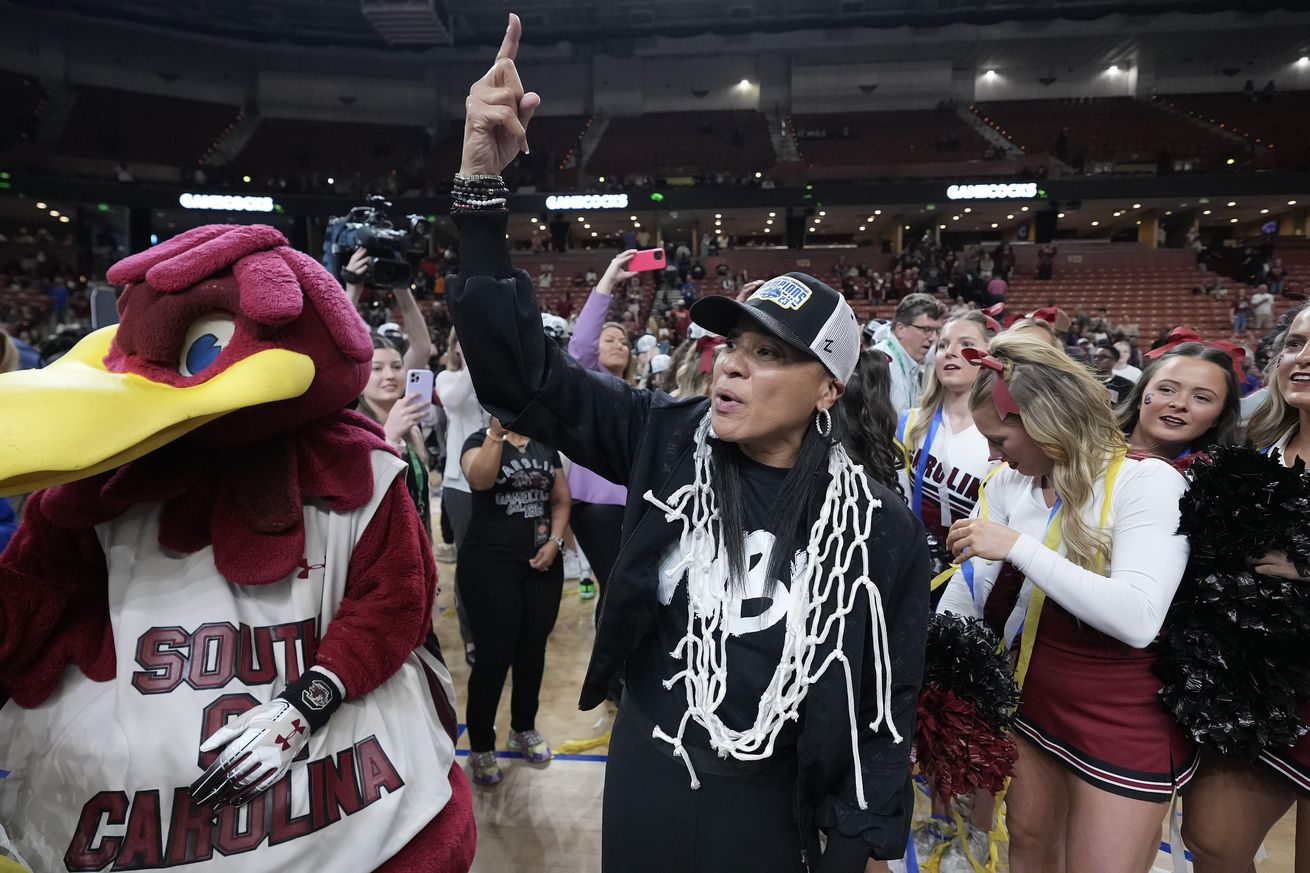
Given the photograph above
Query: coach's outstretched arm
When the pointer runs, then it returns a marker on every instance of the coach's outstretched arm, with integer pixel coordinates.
(522, 378)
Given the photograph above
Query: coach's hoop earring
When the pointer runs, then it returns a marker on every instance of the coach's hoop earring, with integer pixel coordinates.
(823, 422)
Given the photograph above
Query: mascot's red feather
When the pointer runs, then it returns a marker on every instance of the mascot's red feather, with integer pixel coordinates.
(215, 618)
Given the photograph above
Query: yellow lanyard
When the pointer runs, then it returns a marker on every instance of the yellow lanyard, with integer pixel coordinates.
(1052, 542)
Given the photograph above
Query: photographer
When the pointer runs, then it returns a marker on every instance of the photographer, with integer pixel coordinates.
(416, 327)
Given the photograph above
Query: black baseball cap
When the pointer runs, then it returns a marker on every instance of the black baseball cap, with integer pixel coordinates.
(799, 310)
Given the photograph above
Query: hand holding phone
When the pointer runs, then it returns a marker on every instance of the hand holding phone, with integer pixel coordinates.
(419, 383)
(647, 259)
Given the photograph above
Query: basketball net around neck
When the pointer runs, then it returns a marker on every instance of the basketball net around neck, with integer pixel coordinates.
(822, 595)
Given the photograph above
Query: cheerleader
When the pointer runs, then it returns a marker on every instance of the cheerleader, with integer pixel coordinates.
(1231, 805)
(946, 458)
(1094, 533)
(1186, 400)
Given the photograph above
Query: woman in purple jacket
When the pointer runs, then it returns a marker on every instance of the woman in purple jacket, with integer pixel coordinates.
(601, 346)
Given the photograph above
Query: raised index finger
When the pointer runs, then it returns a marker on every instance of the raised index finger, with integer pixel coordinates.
(509, 47)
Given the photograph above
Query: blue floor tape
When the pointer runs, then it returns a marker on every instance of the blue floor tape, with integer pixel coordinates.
(459, 732)
(1166, 848)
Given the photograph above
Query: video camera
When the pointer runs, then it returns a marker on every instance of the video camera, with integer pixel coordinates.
(393, 250)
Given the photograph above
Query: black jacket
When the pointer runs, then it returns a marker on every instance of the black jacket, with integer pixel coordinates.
(644, 440)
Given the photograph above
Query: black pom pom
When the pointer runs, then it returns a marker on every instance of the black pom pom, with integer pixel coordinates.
(1234, 674)
(964, 657)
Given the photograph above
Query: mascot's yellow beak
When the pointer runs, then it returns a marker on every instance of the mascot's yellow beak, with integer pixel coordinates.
(74, 418)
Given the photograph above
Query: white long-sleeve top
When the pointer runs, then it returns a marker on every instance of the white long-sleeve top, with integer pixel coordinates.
(1147, 556)
(464, 416)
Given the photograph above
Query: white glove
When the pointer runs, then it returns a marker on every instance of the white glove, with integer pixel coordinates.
(260, 745)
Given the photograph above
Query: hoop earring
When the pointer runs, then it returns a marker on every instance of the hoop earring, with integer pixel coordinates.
(823, 415)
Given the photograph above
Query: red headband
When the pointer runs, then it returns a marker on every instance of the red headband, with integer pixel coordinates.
(991, 313)
(1184, 334)
(1002, 399)
(705, 346)
(1047, 314)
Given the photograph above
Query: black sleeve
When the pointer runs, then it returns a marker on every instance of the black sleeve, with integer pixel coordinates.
(475, 441)
(881, 831)
(526, 381)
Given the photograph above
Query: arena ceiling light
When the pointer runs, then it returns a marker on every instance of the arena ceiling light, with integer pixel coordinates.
(41, 205)
(1291, 203)
(1232, 202)
(1303, 61)
(1095, 223)
(990, 74)
(226, 202)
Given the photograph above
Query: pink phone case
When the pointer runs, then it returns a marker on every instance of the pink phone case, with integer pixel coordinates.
(647, 259)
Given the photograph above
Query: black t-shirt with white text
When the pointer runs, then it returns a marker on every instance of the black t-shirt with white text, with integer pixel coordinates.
(513, 516)
(755, 621)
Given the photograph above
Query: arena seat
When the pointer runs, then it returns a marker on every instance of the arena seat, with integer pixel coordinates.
(1119, 130)
(20, 101)
(106, 123)
(1280, 125)
(283, 146)
(903, 137)
(691, 143)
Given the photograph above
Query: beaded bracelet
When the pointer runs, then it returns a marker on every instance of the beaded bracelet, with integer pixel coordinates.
(480, 192)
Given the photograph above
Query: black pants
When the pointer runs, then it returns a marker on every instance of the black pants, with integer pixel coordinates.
(653, 822)
(512, 609)
(457, 508)
(598, 528)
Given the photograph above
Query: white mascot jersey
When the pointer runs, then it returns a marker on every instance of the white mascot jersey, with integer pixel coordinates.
(99, 773)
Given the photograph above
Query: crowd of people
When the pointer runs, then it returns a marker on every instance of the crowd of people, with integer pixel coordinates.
(760, 487)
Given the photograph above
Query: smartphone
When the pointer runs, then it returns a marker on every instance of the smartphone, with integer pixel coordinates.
(419, 382)
(647, 259)
(104, 307)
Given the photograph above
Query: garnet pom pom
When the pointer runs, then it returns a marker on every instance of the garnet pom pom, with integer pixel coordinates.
(967, 702)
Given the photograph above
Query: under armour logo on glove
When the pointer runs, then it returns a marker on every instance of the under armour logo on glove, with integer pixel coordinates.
(258, 748)
(297, 728)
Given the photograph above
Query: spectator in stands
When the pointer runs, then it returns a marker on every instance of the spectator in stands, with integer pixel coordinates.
(1046, 261)
(996, 290)
(915, 327)
(1262, 309)
(1126, 367)
(986, 267)
(545, 278)
(1276, 276)
(590, 278)
(1241, 307)
(682, 258)
(697, 271)
(1104, 359)
(1004, 260)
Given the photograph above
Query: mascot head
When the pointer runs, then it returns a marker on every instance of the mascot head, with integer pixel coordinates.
(226, 333)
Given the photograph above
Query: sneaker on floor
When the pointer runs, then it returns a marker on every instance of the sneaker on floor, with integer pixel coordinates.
(486, 770)
(532, 744)
(586, 589)
(929, 836)
(954, 860)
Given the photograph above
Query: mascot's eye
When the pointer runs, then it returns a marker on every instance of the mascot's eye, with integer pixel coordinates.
(205, 340)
